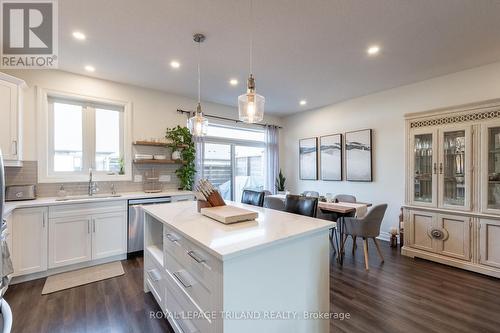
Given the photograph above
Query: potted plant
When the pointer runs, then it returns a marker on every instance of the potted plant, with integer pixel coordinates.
(182, 142)
(280, 183)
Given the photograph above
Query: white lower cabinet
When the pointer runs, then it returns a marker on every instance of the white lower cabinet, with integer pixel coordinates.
(44, 238)
(109, 235)
(29, 240)
(455, 239)
(70, 241)
(489, 243)
(444, 234)
(84, 232)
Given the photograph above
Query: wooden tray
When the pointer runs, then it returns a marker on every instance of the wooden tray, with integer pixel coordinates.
(229, 214)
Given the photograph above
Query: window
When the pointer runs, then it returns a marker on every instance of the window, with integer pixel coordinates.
(234, 159)
(83, 134)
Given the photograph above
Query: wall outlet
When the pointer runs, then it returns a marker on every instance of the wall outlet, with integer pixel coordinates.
(165, 178)
(137, 178)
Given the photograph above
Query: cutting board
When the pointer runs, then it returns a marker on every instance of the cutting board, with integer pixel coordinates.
(229, 214)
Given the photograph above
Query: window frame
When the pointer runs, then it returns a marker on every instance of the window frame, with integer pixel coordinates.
(45, 102)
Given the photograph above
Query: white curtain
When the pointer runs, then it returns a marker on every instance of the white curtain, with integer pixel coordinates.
(272, 142)
(198, 161)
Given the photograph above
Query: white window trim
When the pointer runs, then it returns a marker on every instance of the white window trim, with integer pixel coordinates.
(43, 137)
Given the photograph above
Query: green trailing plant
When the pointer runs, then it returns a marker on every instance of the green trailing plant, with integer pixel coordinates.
(280, 182)
(182, 140)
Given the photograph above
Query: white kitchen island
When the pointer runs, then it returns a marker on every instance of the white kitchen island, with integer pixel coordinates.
(268, 275)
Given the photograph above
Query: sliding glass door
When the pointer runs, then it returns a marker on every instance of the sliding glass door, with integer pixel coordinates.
(249, 169)
(218, 168)
(234, 159)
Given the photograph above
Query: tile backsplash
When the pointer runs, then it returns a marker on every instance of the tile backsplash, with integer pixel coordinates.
(27, 174)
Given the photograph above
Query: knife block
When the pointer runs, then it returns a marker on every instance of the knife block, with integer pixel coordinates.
(202, 204)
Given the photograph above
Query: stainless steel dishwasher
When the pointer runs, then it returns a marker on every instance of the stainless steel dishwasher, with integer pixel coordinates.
(136, 221)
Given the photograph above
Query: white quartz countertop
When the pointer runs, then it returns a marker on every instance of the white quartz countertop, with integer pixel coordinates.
(52, 201)
(231, 240)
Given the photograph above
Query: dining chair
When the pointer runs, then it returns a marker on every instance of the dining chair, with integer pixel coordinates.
(366, 227)
(301, 205)
(313, 194)
(344, 198)
(253, 198)
(274, 203)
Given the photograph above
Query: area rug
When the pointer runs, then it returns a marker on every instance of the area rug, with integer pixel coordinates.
(82, 276)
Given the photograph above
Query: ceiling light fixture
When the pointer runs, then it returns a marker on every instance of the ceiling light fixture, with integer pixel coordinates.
(175, 64)
(198, 124)
(251, 104)
(303, 102)
(79, 35)
(233, 82)
(373, 50)
(90, 68)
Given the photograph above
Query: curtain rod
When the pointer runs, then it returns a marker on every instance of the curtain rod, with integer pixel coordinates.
(190, 113)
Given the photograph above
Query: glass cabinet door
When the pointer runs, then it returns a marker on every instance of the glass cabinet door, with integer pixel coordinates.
(423, 168)
(454, 168)
(493, 188)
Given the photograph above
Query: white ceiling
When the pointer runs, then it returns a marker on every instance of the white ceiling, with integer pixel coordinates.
(311, 49)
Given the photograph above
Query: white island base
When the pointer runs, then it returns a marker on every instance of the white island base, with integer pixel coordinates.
(269, 275)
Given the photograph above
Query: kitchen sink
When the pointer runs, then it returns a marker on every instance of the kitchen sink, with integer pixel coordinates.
(86, 196)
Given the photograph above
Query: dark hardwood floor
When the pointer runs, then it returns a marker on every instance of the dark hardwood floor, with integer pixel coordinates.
(411, 295)
(114, 305)
(401, 295)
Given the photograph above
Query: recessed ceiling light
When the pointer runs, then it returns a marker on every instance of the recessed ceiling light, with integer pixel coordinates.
(90, 68)
(175, 64)
(79, 35)
(303, 102)
(373, 50)
(233, 82)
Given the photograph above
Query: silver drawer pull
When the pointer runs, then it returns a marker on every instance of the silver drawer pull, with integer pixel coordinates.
(196, 257)
(172, 238)
(179, 277)
(154, 275)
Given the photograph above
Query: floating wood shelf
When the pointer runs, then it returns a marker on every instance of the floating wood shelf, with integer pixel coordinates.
(158, 144)
(158, 162)
(150, 143)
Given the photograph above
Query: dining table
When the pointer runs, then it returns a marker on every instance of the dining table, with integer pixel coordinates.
(342, 210)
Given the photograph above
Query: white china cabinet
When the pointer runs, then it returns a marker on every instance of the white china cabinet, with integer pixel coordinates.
(453, 186)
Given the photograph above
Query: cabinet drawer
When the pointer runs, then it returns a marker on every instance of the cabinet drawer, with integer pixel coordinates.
(90, 208)
(199, 290)
(154, 276)
(183, 312)
(191, 257)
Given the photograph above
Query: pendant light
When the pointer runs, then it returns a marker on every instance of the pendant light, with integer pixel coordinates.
(198, 124)
(251, 104)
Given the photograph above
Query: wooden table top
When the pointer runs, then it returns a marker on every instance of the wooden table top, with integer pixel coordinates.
(336, 207)
(342, 207)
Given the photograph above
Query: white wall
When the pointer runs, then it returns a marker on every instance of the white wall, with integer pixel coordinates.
(383, 112)
(153, 110)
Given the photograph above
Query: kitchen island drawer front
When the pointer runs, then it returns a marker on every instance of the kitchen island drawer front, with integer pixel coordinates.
(90, 208)
(191, 257)
(199, 290)
(182, 310)
(154, 276)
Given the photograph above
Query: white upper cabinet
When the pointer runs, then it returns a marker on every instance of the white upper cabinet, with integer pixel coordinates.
(441, 167)
(490, 159)
(423, 160)
(11, 94)
(454, 169)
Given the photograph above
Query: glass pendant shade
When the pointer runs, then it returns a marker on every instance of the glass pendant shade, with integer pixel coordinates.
(251, 107)
(198, 124)
(251, 104)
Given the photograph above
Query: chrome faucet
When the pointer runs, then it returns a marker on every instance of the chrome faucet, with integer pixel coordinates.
(92, 184)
